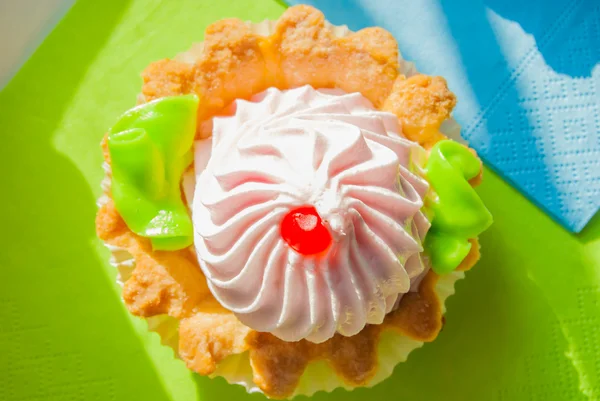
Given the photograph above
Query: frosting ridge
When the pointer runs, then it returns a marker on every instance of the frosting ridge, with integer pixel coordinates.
(308, 148)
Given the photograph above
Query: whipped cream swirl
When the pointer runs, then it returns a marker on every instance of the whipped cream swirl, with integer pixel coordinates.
(306, 147)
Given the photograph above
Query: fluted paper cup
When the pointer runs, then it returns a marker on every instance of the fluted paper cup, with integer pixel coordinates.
(393, 347)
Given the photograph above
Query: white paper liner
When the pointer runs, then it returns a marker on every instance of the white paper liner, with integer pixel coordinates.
(393, 348)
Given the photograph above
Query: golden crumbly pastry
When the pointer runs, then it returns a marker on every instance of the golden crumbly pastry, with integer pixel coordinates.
(237, 61)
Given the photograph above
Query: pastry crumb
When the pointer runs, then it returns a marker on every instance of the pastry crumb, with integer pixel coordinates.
(421, 104)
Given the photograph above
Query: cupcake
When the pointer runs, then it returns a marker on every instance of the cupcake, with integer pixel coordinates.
(284, 205)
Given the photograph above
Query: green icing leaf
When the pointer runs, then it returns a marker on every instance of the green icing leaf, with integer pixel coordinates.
(150, 147)
(458, 212)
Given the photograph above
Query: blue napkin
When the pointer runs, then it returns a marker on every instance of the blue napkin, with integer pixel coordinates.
(527, 77)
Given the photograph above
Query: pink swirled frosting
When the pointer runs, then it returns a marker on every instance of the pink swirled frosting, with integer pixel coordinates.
(322, 148)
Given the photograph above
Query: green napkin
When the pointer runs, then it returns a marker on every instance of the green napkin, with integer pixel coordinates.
(523, 325)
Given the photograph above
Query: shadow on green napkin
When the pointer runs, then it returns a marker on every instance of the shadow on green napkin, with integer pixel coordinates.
(523, 326)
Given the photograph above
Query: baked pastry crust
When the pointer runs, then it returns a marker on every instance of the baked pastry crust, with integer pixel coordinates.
(235, 62)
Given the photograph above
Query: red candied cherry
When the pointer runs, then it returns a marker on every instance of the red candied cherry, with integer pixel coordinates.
(303, 230)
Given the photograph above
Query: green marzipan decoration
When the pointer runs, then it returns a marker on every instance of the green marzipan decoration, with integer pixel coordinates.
(458, 212)
(150, 147)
